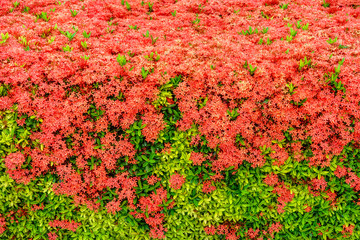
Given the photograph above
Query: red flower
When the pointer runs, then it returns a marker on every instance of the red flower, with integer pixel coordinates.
(72, 226)
(274, 228)
(252, 234)
(36, 207)
(153, 179)
(284, 196)
(208, 187)
(21, 121)
(348, 230)
(14, 160)
(158, 232)
(113, 206)
(319, 184)
(210, 230)
(154, 124)
(271, 2)
(52, 236)
(271, 179)
(340, 171)
(176, 181)
(197, 158)
(20, 175)
(2, 224)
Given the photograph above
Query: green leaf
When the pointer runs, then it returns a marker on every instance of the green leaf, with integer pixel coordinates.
(121, 59)
(128, 7)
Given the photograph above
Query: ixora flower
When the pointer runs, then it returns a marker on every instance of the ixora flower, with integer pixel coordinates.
(271, 179)
(52, 236)
(197, 158)
(65, 224)
(14, 160)
(2, 224)
(208, 187)
(271, 2)
(176, 181)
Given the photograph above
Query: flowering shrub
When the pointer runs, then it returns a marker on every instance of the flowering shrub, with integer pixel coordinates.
(179, 119)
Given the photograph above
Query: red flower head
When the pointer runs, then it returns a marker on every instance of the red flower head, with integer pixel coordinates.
(340, 171)
(14, 160)
(197, 158)
(153, 179)
(2, 224)
(208, 188)
(271, 179)
(52, 236)
(176, 181)
(252, 234)
(319, 184)
(271, 2)
(210, 230)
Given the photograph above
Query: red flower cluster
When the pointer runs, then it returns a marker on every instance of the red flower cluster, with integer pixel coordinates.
(351, 178)
(64, 224)
(275, 227)
(52, 236)
(319, 184)
(197, 158)
(208, 187)
(176, 181)
(150, 207)
(153, 179)
(14, 160)
(158, 232)
(271, 2)
(154, 124)
(2, 224)
(347, 230)
(113, 206)
(284, 196)
(271, 179)
(223, 229)
(252, 234)
(340, 171)
(36, 207)
(210, 230)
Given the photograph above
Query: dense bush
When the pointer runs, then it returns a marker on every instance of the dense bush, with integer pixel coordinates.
(179, 119)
